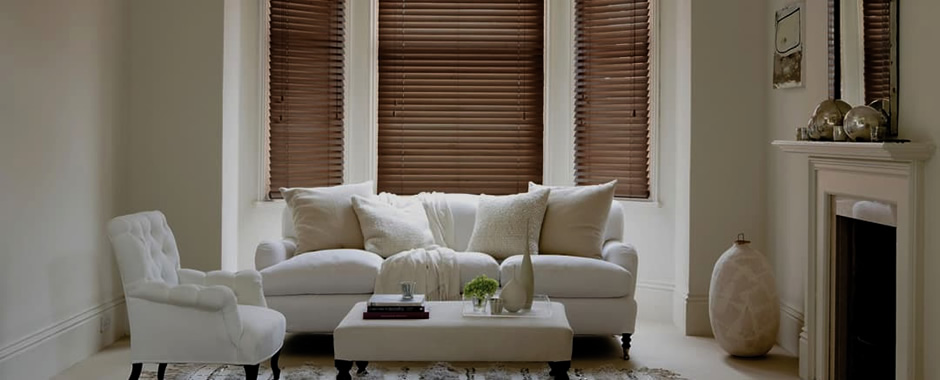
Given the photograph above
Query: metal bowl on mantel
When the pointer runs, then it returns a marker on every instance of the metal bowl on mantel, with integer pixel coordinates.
(827, 115)
(861, 120)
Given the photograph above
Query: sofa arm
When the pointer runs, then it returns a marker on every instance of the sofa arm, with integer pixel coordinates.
(245, 284)
(270, 252)
(623, 255)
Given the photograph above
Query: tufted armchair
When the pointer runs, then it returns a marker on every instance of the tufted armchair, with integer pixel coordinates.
(187, 316)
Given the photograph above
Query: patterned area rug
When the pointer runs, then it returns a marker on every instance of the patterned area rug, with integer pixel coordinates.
(436, 371)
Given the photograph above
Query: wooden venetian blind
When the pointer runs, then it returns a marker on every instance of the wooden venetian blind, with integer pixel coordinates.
(833, 43)
(306, 94)
(460, 95)
(876, 25)
(612, 89)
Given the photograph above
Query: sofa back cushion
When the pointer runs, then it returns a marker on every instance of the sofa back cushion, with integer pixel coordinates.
(464, 210)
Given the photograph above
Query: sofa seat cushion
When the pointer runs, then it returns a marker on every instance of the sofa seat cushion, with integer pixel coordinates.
(330, 271)
(473, 264)
(572, 276)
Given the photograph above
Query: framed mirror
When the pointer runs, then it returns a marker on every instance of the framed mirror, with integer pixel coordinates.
(863, 54)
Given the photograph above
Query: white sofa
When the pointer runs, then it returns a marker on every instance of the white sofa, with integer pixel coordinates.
(315, 290)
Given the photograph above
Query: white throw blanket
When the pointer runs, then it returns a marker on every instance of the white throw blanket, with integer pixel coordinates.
(434, 271)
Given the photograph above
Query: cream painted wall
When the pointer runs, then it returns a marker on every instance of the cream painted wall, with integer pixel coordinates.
(720, 146)
(173, 136)
(787, 176)
(60, 124)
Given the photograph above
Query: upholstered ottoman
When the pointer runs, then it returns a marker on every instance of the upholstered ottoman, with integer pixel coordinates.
(449, 336)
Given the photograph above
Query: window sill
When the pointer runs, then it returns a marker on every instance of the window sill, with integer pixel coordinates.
(270, 203)
(642, 203)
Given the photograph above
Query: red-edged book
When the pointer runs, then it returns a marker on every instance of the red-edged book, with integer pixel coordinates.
(396, 315)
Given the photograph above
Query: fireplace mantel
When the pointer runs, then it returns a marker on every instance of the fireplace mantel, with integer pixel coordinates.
(891, 172)
(894, 151)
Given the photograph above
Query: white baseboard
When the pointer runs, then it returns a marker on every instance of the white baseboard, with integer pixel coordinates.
(791, 324)
(693, 320)
(654, 300)
(47, 352)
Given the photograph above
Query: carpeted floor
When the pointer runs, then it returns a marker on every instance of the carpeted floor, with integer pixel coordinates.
(419, 371)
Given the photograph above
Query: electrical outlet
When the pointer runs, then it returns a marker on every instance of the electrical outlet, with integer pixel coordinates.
(105, 324)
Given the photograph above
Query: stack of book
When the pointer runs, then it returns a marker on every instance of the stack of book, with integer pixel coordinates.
(393, 306)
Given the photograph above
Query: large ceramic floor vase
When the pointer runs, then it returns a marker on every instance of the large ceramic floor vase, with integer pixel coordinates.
(742, 301)
(518, 292)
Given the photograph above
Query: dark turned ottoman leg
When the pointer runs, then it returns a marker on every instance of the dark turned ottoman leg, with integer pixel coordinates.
(361, 368)
(559, 370)
(625, 343)
(161, 371)
(135, 371)
(342, 368)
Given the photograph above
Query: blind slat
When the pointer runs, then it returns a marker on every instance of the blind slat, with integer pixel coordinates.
(306, 93)
(460, 95)
(612, 94)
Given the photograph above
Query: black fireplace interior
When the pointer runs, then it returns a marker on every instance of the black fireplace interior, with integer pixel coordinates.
(864, 300)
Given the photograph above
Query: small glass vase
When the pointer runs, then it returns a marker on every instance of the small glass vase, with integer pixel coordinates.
(478, 303)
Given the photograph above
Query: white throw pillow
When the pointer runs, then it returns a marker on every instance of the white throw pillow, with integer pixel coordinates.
(575, 219)
(500, 227)
(391, 228)
(324, 217)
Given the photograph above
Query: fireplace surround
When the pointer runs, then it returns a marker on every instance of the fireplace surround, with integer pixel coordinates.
(890, 174)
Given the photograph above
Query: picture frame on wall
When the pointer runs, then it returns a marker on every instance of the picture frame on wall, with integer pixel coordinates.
(788, 46)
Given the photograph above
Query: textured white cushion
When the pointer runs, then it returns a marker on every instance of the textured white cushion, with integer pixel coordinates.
(324, 217)
(572, 276)
(388, 229)
(332, 271)
(501, 221)
(575, 219)
(473, 264)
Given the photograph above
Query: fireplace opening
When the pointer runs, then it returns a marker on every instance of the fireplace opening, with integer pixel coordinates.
(864, 292)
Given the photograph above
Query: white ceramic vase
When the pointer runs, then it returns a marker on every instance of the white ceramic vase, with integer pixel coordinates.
(742, 301)
(513, 295)
(527, 278)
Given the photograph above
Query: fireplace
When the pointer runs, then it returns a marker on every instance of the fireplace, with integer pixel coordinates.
(864, 289)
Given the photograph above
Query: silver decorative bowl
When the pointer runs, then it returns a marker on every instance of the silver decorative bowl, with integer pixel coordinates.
(860, 121)
(828, 114)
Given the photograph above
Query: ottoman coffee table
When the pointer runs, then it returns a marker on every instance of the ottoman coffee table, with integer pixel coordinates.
(449, 336)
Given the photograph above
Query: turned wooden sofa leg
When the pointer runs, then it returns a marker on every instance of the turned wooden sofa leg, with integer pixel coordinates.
(625, 343)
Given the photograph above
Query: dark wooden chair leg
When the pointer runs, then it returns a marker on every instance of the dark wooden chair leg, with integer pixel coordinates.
(342, 369)
(275, 370)
(135, 371)
(161, 371)
(625, 343)
(559, 370)
(361, 368)
(251, 372)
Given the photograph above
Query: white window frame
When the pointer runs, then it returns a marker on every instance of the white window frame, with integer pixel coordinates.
(360, 150)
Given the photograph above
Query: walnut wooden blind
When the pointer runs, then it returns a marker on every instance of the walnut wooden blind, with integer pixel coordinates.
(876, 26)
(612, 99)
(833, 43)
(460, 95)
(306, 94)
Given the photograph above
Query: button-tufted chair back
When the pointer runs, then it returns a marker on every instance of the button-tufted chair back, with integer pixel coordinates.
(145, 248)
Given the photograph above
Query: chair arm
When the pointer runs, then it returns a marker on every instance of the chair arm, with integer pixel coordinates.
(270, 252)
(246, 284)
(183, 309)
(210, 298)
(623, 255)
